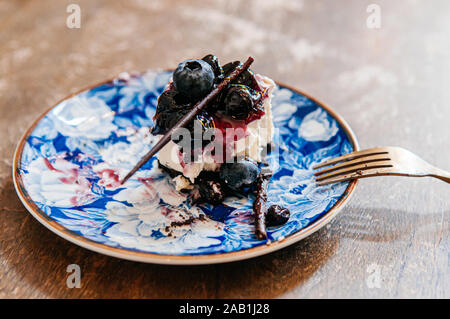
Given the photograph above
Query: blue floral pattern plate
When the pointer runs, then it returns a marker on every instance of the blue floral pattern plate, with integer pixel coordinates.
(67, 167)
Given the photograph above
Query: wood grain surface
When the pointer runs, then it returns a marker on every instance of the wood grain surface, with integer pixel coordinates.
(391, 84)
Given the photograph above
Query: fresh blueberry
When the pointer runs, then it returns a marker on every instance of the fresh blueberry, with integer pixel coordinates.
(239, 175)
(193, 78)
(277, 215)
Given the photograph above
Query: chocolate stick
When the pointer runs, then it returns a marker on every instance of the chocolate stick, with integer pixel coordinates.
(189, 116)
(259, 205)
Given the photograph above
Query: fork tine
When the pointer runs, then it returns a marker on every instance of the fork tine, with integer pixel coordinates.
(379, 171)
(348, 164)
(358, 169)
(352, 156)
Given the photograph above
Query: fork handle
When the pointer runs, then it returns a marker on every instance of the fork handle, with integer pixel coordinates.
(440, 174)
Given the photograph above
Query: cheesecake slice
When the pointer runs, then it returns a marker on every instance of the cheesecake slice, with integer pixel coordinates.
(241, 115)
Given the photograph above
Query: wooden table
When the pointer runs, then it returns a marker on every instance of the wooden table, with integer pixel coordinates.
(390, 83)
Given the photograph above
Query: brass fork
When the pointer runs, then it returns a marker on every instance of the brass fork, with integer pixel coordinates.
(377, 161)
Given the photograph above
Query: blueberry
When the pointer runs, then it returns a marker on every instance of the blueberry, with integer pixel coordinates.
(214, 63)
(171, 100)
(193, 78)
(246, 78)
(229, 67)
(172, 106)
(239, 175)
(240, 101)
(196, 142)
(277, 215)
(166, 119)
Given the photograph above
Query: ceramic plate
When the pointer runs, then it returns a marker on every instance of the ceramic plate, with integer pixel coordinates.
(66, 170)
